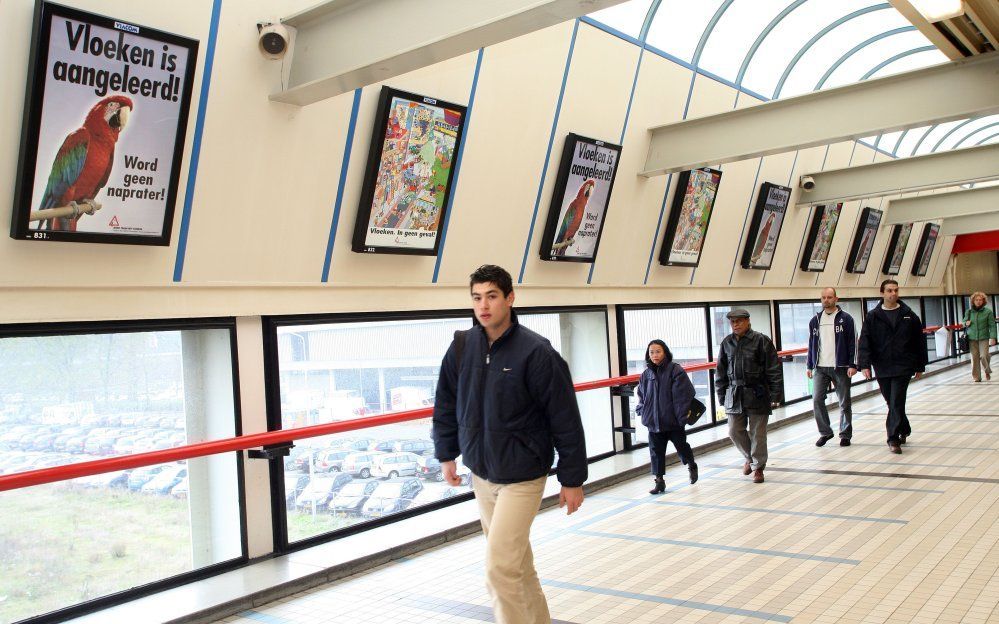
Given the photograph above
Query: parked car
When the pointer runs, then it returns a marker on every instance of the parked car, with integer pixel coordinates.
(429, 468)
(140, 476)
(320, 491)
(182, 489)
(417, 447)
(330, 460)
(392, 496)
(385, 446)
(359, 464)
(351, 498)
(294, 483)
(392, 465)
(165, 481)
(117, 479)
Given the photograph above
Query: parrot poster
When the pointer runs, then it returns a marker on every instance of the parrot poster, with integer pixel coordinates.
(580, 198)
(83, 164)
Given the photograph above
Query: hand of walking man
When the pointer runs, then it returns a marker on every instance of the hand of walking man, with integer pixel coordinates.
(571, 498)
(809, 373)
(850, 372)
(919, 375)
(867, 373)
(450, 471)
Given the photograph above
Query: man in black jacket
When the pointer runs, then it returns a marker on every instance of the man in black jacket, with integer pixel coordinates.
(505, 402)
(892, 340)
(749, 382)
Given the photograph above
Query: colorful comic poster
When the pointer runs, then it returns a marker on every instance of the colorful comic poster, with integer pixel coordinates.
(896, 248)
(765, 227)
(820, 237)
(104, 130)
(929, 240)
(408, 181)
(579, 202)
(688, 225)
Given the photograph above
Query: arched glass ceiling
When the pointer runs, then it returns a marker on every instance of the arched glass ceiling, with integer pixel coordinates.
(780, 48)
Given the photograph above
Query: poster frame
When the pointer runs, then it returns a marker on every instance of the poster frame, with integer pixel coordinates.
(34, 99)
(376, 146)
(756, 222)
(813, 234)
(925, 248)
(558, 198)
(854, 259)
(682, 185)
(893, 241)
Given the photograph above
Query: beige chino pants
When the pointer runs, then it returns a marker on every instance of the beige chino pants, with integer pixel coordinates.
(507, 512)
(980, 357)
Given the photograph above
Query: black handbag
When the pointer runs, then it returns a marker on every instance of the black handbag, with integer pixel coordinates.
(962, 342)
(697, 410)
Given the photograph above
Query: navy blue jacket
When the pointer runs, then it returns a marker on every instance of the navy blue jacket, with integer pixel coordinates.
(894, 352)
(846, 340)
(507, 407)
(664, 394)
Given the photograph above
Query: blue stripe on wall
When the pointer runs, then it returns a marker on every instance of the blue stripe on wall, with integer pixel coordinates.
(548, 154)
(348, 146)
(457, 164)
(199, 128)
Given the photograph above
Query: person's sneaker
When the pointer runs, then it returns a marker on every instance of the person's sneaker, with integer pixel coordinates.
(660, 486)
(844, 441)
(823, 439)
(901, 439)
(746, 469)
(693, 473)
(758, 475)
(895, 447)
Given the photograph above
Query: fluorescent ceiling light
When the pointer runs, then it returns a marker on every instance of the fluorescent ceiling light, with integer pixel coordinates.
(937, 10)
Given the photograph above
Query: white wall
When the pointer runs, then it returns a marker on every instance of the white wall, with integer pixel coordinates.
(268, 173)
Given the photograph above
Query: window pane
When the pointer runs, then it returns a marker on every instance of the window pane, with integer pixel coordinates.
(683, 331)
(72, 398)
(343, 371)
(678, 26)
(626, 17)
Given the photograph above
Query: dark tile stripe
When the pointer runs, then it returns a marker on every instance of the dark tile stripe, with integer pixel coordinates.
(896, 475)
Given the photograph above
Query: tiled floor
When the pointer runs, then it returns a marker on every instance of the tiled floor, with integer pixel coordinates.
(836, 534)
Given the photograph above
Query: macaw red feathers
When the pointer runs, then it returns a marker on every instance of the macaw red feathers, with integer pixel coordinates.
(83, 164)
(573, 217)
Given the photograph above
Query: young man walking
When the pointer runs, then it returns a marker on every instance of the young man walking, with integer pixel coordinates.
(505, 403)
(832, 345)
(749, 383)
(892, 341)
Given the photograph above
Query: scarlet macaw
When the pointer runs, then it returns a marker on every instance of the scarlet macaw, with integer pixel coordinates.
(573, 217)
(83, 164)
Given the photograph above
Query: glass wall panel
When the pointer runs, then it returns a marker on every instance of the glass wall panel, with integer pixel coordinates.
(794, 319)
(72, 398)
(342, 371)
(759, 318)
(683, 331)
(936, 314)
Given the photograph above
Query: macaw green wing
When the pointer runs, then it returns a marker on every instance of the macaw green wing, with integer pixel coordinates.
(570, 214)
(66, 167)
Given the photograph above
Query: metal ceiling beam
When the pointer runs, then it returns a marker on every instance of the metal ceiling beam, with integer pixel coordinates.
(906, 100)
(341, 45)
(971, 224)
(946, 206)
(937, 170)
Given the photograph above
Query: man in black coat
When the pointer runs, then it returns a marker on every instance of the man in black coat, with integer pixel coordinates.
(892, 341)
(505, 403)
(749, 382)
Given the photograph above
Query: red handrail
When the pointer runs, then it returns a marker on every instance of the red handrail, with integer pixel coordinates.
(201, 449)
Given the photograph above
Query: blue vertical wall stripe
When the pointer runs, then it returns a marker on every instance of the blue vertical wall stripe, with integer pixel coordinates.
(659, 224)
(348, 146)
(548, 154)
(457, 163)
(199, 128)
(624, 129)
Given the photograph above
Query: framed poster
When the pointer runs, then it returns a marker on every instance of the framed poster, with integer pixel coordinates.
(579, 202)
(764, 229)
(863, 240)
(102, 139)
(409, 174)
(689, 217)
(820, 237)
(896, 248)
(925, 250)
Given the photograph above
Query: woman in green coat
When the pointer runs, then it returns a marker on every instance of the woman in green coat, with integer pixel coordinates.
(980, 321)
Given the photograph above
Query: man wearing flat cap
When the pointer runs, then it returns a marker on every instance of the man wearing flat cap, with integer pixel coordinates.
(749, 383)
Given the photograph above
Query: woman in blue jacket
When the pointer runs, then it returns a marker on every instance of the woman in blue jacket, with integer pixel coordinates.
(664, 395)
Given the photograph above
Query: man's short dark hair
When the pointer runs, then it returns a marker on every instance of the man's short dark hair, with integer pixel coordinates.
(492, 273)
(886, 282)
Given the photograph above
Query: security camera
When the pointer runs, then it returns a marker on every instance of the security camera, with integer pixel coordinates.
(807, 182)
(273, 40)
